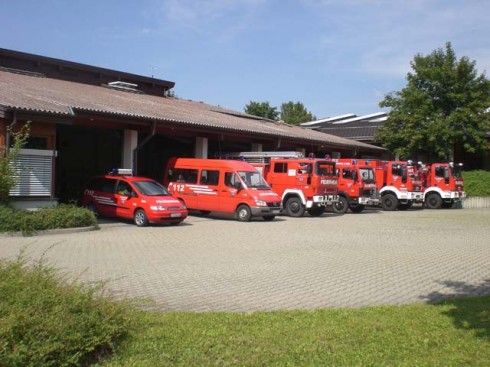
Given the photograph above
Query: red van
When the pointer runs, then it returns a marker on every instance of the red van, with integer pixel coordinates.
(227, 186)
(119, 194)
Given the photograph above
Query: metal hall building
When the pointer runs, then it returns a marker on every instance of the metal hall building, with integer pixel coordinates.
(85, 120)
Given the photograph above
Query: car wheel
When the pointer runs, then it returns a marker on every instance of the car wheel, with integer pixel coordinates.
(243, 213)
(140, 218)
(434, 201)
(294, 207)
(389, 202)
(341, 206)
(93, 208)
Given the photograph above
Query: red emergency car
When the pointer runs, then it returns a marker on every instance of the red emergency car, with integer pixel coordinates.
(120, 194)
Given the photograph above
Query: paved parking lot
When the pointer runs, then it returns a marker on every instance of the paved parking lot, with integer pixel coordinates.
(215, 263)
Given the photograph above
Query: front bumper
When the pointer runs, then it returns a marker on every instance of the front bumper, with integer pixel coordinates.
(323, 200)
(259, 211)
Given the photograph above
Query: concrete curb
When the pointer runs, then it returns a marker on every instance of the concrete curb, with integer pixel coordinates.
(51, 232)
(476, 202)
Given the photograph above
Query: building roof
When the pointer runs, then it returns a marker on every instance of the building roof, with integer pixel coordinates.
(350, 126)
(38, 94)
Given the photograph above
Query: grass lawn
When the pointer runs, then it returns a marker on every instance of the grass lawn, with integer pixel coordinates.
(453, 333)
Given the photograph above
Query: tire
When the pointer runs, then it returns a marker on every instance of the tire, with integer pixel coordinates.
(448, 205)
(341, 206)
(357, 209)
(243, 213)
(93, 208)
(316, 211)
(389, 202)
(140, 218)
(294, 207)
(433, 201)
(269, 218)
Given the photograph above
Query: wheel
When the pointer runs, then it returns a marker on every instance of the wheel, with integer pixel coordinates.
(294, 207)
(243, 213)
(140, 218)
(389, 202)
(341, 206)
(433, 201)
(269, 218)
(316, 211)
(405, 206)
(93, 208)
(357, 209)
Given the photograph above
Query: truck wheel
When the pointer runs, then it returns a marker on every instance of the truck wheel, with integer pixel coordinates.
(316, 211)
(341, 206)
(389, 202)
(295, 207)
(140, 218)
(357, 209)
(434, 201)
(243, 213)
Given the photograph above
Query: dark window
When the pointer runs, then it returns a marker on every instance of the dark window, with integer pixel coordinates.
(123, 188)
(280, 167)
(209, 177)
(182, 175)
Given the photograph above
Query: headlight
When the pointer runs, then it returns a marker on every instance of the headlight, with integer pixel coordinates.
(260, 203)
(183, 207)
(158, 208)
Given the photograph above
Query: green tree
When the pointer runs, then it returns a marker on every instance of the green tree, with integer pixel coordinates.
(8, 161)
(262, 109)
(295, 113)
(443, 107)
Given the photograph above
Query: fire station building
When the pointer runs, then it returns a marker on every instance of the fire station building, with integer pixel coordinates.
(85, 120)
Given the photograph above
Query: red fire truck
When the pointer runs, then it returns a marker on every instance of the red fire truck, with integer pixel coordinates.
(399, 183)
(443, 185)
(356, 185)
(304, 184)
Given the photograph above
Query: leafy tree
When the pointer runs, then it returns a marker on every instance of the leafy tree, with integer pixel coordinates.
(8, 161)
(443, 107)
(295, 113)
(262, 109)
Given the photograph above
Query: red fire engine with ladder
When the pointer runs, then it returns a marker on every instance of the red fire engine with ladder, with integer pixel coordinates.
(443, 185)
(304, 184)
(357, 186)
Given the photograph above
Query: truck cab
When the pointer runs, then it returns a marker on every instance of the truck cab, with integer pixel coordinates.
(443, 185)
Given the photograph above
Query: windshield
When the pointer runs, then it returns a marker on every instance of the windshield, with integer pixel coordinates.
(367, 174)
(457, 171)
(325, 168)
(150, 188)
(253, 180)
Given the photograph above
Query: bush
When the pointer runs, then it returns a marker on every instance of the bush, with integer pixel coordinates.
(45, 321)
(477, 183)
(61, 216)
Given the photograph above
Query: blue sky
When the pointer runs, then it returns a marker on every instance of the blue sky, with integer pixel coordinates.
(334, 56)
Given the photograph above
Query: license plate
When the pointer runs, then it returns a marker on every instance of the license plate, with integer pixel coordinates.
(175, 215)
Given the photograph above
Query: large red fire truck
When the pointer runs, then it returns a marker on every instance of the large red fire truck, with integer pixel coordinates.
(356, 185)
(443, 185)
(399, 183)
(304, 184)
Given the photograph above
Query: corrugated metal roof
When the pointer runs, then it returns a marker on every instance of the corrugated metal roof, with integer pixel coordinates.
(45, 95)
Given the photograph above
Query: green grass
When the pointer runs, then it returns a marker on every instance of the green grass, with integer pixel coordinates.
(477, 183)
(454, 333)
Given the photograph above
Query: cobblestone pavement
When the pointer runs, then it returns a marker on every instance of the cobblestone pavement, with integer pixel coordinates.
(217, 264)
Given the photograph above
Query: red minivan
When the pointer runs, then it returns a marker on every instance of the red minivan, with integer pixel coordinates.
(120, 194)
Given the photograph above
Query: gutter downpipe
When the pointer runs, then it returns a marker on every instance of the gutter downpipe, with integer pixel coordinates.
(140, 145)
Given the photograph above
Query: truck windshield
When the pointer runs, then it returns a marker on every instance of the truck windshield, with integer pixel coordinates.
(324, 168)
(253, 180)
(367, 174)
(457, 171)
(151, 188)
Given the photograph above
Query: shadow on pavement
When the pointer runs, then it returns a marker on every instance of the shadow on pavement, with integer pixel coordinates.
(466, 313)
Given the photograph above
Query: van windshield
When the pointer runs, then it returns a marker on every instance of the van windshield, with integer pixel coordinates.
(150, 188)
(253, 180)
